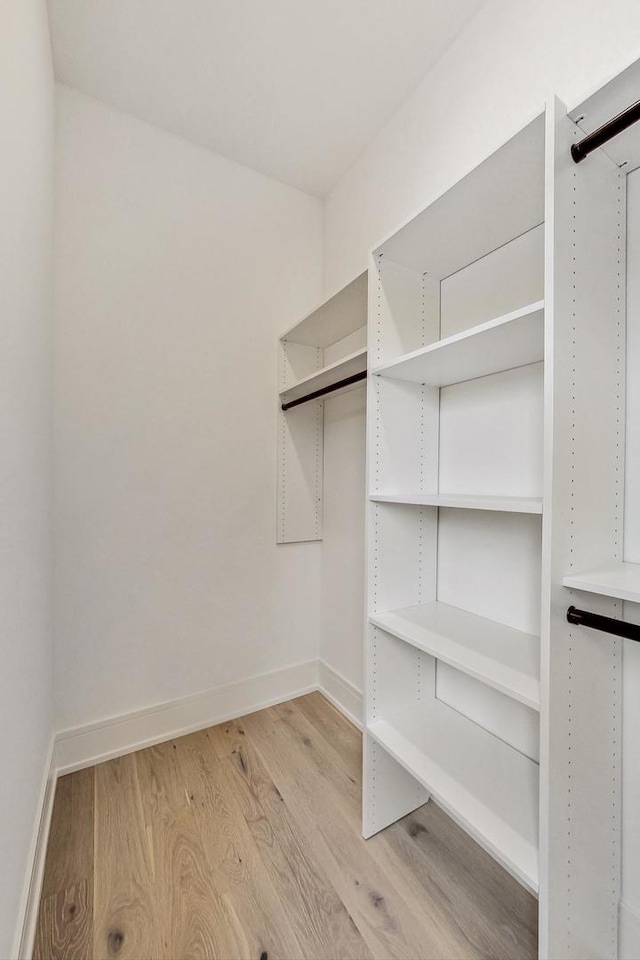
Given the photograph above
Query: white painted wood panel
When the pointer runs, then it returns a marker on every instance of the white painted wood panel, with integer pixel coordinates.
(499, 344)
(465, 502)
(489, 564)
(404, 452)
(402, 556)
(326, 376)
(394, 792)
(619, 579)
(580, 681)
(632, 438)
(504, 717)
(299, 473)
(334, 318)
(491, 435)
(404, 307)
(296, 361)
(347, 345)
(500, 199)
(506, 659)
(503, 281)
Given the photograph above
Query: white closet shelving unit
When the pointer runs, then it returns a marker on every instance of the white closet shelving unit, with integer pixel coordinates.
(495, 459)
(327, 346)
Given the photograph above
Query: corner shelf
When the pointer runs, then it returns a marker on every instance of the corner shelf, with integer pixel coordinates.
(463, 501)
(484, 784)
(334, 372)
(506, 659)
(513, 340)
(619, 579)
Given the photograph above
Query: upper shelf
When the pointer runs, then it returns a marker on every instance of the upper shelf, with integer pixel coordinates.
(506, 659)
(464, 501)
(334, 319)
(513, 340)
(500, 199)
(334, 372)
(618, 579)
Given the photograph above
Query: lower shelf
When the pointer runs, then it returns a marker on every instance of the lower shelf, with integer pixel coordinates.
(489, 788)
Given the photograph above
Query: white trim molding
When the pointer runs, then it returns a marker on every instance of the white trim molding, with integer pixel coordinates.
(30, 902)
(341, 692)
(96, 742)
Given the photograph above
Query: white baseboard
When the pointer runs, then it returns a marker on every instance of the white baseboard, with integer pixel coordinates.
(341, 692)
(628, 932)
(96, 742)
(30, 902)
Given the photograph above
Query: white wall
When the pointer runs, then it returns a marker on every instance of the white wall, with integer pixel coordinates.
(493, 79)
(175, 272)
(26, 121)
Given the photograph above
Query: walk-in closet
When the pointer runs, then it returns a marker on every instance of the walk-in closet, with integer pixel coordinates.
(320, 480)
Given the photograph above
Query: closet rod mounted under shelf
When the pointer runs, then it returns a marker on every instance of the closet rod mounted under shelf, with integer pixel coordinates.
(354, 378)
(606, 132)
(631, 631)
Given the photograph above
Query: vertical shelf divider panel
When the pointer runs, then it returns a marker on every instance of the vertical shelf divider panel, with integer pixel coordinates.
(583, 504)
(323, 349)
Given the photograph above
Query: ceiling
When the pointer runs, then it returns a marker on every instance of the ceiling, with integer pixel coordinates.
(293, 88)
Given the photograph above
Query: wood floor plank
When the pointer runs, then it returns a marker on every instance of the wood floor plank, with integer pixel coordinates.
(163, 788)
(65, 924)
(233, 856)
(323, 747)
(321, 753)
(499, 915)
(334, 726)
(225, 737)
(69, 858)
(195, 920)
(126, 918)
(321, 921)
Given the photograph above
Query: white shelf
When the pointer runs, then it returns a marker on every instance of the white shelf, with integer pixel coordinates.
(333, 319)
(463, 501)
(486, 785)
(325, 377)
(513, 340)
(503, 658)
(500, 199)
(619, 579)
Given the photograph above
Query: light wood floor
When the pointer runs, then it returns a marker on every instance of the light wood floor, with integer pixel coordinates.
(244, 841)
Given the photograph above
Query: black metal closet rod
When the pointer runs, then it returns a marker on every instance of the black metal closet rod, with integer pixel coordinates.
(631, 631)
(592, 141)
(324, 390)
